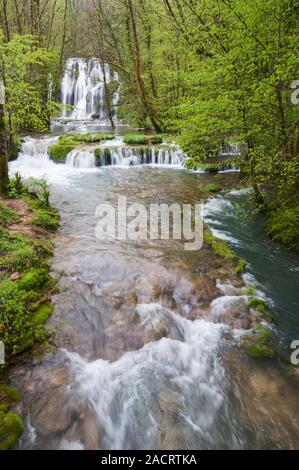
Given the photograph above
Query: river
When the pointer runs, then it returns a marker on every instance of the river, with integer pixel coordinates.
(141, 360)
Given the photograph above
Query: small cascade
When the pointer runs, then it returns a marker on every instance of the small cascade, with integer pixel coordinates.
(131, 156)
(136, 398)
(83, 87)
(33, 158)
(82, 159)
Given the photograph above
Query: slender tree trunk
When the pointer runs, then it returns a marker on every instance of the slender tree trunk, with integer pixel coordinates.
(137, 64)
(3, 153)
(35, 18)
(63, 35)
(4, 20)
(107, 95)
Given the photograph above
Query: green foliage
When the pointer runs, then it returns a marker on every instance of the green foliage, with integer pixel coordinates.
(46, 218)
(16, 252)
(7, 215)
(59, 152)
(283, 225)
(26, 66)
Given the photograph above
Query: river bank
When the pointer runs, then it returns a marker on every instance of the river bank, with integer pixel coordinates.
(27, 223)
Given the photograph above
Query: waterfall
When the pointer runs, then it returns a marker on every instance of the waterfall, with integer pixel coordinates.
(83, 88)
(131, 156)
(81, 159)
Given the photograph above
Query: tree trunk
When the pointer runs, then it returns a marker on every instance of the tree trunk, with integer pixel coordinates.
(35, 20)
(137, 64)
(3, 153)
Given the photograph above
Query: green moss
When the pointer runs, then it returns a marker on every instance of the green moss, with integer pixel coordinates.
(257, 304)
(7, 215)
(249, 290)
(11, 429)
(34, 278)
(135, 139)
(16, 253)
(241, 267)
(80, 139)
(283, 225)
(46, 219)
(213, 188)
(219, 247)
(59, 152)
(259, 344)
(11, 395)
(24, 300)
(43, 314)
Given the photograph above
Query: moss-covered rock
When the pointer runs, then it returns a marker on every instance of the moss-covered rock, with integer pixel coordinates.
(258, 304)
(42, 315)
(87, 138)
(34, 278)
(260, 343)
(11, 429)
(11, 426)
(214, 188)
(141, 139)
(221, 248)
(59, 152)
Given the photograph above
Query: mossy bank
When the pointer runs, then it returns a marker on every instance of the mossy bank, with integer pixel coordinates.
(27, 224)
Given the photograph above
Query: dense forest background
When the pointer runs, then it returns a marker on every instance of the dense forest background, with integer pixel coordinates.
(207, 72)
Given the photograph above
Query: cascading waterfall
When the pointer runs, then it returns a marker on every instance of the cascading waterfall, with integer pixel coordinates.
(124, 394)
(128, 156)
(83, 87)
(81, 159)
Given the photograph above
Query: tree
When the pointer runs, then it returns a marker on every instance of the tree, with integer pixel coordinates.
(3, 145)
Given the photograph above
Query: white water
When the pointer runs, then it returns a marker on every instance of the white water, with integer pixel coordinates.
(83, 88)
(186, 377)
(81, 159)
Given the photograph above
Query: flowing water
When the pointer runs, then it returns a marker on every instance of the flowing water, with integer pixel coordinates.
(147, 334)
(83, 88)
